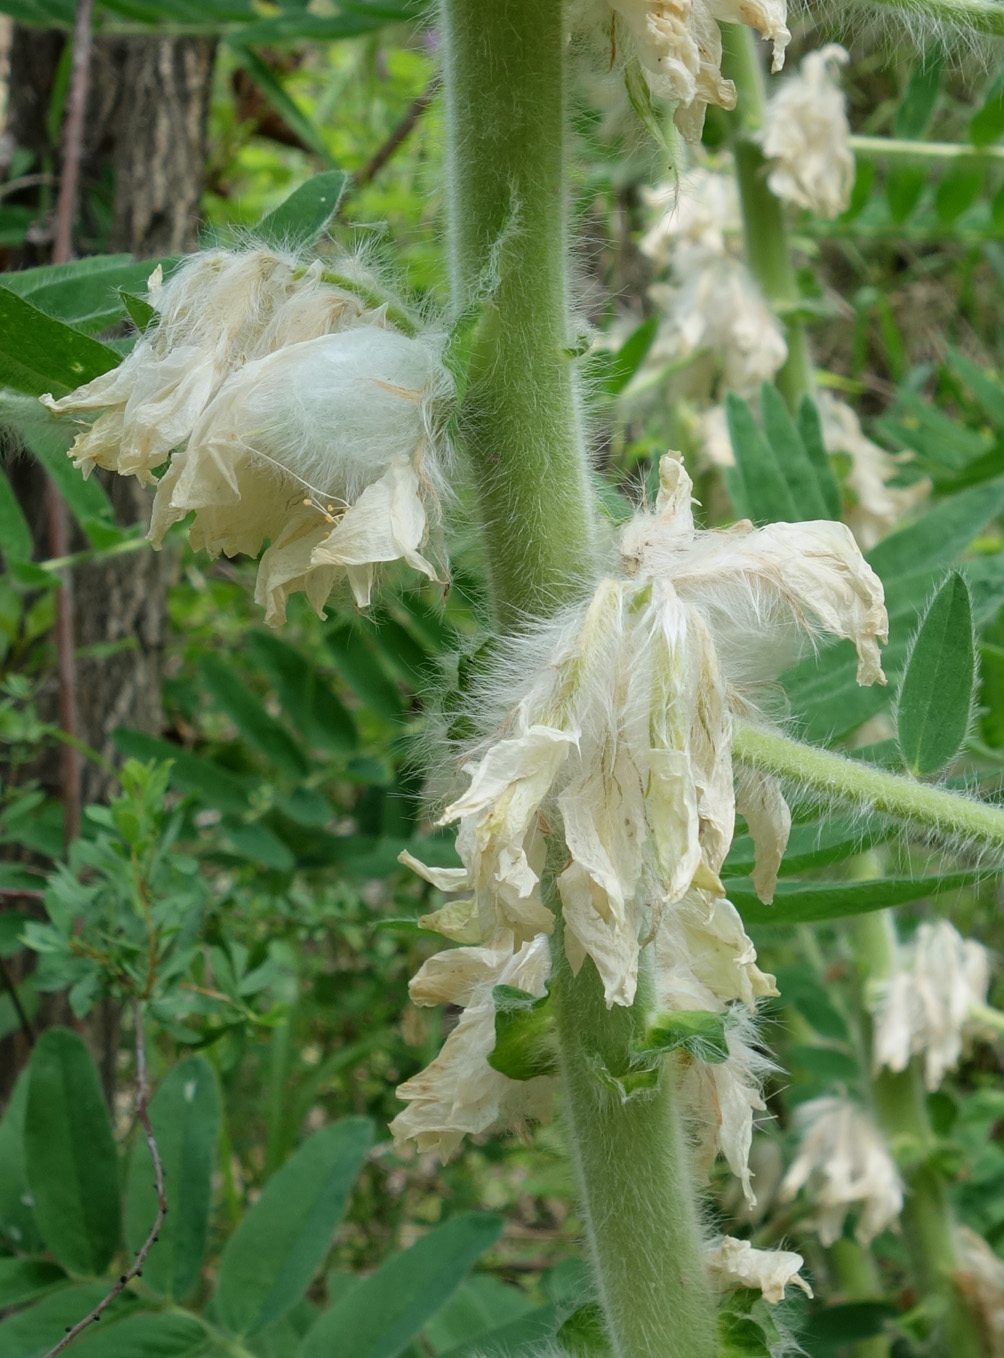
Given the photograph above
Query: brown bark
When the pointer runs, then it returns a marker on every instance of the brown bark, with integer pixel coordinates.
(146, 122)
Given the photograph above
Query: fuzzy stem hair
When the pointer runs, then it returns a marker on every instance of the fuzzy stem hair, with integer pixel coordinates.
(520, 427)
(520, 422)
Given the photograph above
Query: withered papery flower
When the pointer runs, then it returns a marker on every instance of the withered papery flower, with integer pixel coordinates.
(290, 412)
(620, 733)
(806, 136)
(735, 1263)
(843, 1162)
(679, 48)
(460, 1093)
(923, 1007)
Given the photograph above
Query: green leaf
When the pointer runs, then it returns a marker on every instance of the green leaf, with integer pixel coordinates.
(297, 222)
(86, 293)
(584, 1334)
(800, 474)
(355, 661)
(904, 185)
(610, 373)
(480, 1304)
(140, 312)
(832, 1328)
(86, 500)
(740, 1337)
(18, 1227)
(811, 846)
(248, 714)
(15, 535)
(936, 695)
(70, 1154)
(810, 431)
(143, 1336)
(23, 1280)
(520, 1337)
(806, 902)
(11, 927)
(920, 96)
(31, 1333)
(957, 192)
(987, 123)
(269, 1262)
(257, 843)
(987, 390)
(211, 782)
(185, 1115)
(697, 1031)
(765, 496)
(39, 354)
(387, 1310)
(291, 114)
(524, 1034)
(305, 693)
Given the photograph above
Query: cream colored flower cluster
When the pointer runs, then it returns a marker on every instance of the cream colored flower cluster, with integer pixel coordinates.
(843, 1161)
(679, 47)
(806, 136)
(712, 303)
(611, 760)
(290, 411)
(923, 1009)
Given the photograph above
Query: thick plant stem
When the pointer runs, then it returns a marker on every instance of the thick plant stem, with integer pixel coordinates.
(764, 229)
(635, 1182)
(520, 422)
(857, 1278)
(944, 815)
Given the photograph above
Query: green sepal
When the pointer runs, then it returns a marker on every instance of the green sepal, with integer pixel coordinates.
(697, 1031)
(584, 1335)
(524, 1034)
(141, 313)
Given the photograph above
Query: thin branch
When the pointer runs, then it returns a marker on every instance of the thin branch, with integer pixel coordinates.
(411, 116)
(73, 134)
(143, 1118)
(22, 1017)
(20, 893)
(59, 531)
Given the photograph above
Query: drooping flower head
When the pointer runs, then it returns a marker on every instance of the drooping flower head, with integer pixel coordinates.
(295, 414)
(679, 47)
(923, 1008)
(806, 136)
(843, 1162)
(611, 726)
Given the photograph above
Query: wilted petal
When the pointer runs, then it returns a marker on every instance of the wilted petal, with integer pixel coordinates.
(844, 1162)
(759, 800)
(702, 938)
(806, 136)
(459, 1092)
(735, 1263)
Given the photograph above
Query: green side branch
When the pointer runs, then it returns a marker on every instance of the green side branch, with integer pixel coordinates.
(978, 826)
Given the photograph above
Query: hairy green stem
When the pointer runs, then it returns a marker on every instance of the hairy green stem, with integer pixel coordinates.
(964, 15)
(920, 806)
(635, 1179)
(917, 152)
(766, 234)
(520, 423)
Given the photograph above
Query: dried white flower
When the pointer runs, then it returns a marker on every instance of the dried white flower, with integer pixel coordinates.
(979, 1277)
(679, 46)
(806, 136)
(735, 1263)
(301, 418)
(878, 507)
(717, 306)
(701, 210)
(923, 1007)
(844, 1161)
(622, 733)
(459, 1092)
